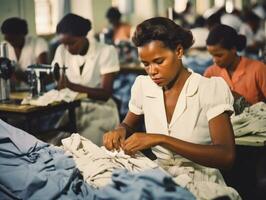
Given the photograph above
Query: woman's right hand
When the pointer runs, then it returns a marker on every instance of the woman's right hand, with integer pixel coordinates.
(114, 139)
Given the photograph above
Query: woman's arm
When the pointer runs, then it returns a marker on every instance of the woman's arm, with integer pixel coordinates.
(42, 58)
(103, 93)
(219, 154)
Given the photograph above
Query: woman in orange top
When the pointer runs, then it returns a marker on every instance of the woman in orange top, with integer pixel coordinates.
(245, 77)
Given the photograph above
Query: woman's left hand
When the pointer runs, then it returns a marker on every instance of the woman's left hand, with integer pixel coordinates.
(139, 141)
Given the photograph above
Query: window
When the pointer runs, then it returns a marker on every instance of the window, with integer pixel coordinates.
(43, 17)
(48, 13)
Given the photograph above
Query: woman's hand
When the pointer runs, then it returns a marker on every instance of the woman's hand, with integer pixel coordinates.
(62, 83)
(139, 141)
(114, 139)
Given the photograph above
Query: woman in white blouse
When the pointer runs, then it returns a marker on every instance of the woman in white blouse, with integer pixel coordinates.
(91, 68)
(24, 49)
(187, 116)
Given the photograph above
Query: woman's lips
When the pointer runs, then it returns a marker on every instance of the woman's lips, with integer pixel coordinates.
(157, 80)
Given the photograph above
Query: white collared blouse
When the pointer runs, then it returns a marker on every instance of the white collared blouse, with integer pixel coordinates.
(100, 59)
(200, 100)
(33, 47)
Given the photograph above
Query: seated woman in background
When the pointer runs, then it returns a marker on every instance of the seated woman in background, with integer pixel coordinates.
(91, 69)
(254, 33)
(24, 50)
(245, 77)
(120, 30)
(187, 116)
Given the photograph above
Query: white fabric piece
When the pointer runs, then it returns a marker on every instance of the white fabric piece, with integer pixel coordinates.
(52, 96)
(96, 165)
(200, 100)
(203, 182)
(33, 47)
(251, 121)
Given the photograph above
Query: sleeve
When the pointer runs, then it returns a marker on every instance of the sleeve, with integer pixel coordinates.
(109, 60)
(261, 79)
(41, 46)
(58, 57)
(217, 98)
(135, 104)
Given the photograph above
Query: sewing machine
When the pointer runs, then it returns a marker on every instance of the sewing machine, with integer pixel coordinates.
(6, 70)
(37, 87)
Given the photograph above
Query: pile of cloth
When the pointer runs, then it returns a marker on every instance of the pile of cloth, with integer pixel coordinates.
(31, 169)
(52, 96)
(252, 121)
(79, 169)
(97, 164)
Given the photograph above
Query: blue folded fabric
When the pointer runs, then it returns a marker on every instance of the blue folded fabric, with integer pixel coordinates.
(197, 64)
(150, 184)
(32, 169)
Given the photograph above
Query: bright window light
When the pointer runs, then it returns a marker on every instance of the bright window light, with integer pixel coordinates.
(180, 5)
(44, 17)
(229, 6)
(219, 3)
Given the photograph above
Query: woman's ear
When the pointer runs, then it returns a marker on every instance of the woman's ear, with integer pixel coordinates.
(179, 51)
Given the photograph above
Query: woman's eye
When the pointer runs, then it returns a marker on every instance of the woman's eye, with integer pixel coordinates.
(159, 62)
(144, 65)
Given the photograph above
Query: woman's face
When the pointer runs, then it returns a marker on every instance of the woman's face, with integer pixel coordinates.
(221, 56)
(160, 62)
(74, 44)
(17, 41)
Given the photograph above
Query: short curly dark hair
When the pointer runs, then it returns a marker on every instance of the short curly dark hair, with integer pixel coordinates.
(74, 25)
(15, 25)
(227, 37)
(165, 30)
(113, 13)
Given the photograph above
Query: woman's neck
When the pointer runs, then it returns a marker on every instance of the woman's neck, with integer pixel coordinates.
(234, 64)
(85, 47)
(175, 83)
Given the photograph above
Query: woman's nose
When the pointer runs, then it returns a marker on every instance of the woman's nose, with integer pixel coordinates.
(152, 69)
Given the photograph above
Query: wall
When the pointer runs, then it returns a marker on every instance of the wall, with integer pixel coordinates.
(92, 9)
(18, 8)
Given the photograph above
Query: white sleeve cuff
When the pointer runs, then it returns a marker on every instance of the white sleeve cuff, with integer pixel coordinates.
(219, 109)
(110, 70)
(134, 109)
